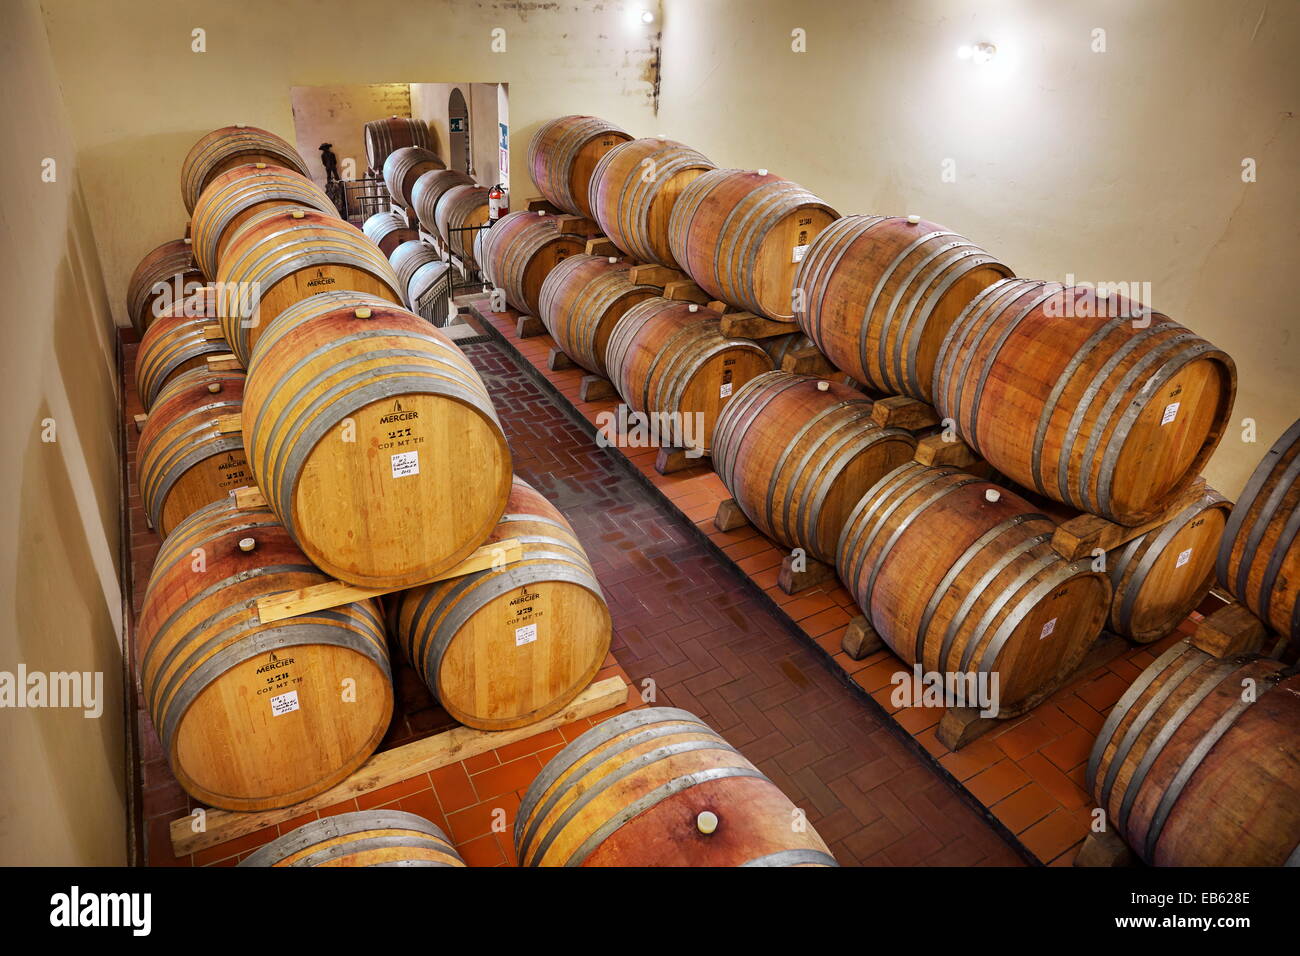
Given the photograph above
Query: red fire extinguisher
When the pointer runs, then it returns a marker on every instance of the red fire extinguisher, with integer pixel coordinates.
(498, 205)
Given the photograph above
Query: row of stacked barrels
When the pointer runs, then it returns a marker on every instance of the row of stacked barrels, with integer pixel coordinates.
(1081, 402)
(285, 364)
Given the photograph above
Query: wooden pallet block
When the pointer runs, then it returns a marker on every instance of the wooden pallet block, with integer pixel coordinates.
(1081, 536)
(139, 422)
(808, 361)
(938, 452)
(685, 290)
(213, 333)
(595, 388)
(673, 459)
(899, 411)
(747, 325)
(1104, 849)
(557, 360)
(650, 274)
(1229, 631)
(861, 639)
(603, 246)
(225, 362)
(729, 517)
(809, 574)
(721, 307)
(529, 326)
(538, 204)
(578, 226)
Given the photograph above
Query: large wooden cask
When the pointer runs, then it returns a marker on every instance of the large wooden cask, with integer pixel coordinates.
(877, 294)
(582, 300)
(428, 189)
(1259, 559)
(1113, 414)
(1198, 764)
(520, 251)
(383, 137)
(388, 230)
(461, 211)
(191, 452)
(174, 344)
(797, 453)
(562, 155)
(741, 235)
(286, 254)
(1160, 577)
(403, 167)
(959, 576)
(166, 275)
(633, 190)
(422, 274)
(374, 440)
(382, 837)
(669, 358)
(659, 787)
(253, 716)
(228, 147)
(235, 196)
(510, 646)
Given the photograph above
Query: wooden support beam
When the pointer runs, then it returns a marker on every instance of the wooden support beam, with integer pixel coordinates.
(230, 424)
(139, 422)
(670, 460)
(808, 362)
(937, 452)
(213, 333)
(860, 639)
(747, 325)
(729, 516)
(899, 411)
(578, 225)
(1080, 536)
(538, 204)
(225, 362)
(656, 275)
(528, 326)
(318, 597)
(1104, 849)
(720, 307)
(603, 246)
(557, 360)
(594, 388)
(811, 573)
(684, 290)
(249, 497)
(1229, 631)
(390, 767)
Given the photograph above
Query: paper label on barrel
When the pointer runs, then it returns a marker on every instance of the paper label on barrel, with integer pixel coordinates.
(1183, 558)
(285, 703)
(1171, 412)
(406, 463)
(799, 253)
(725, 391)
(1048, 628)
(525, 635)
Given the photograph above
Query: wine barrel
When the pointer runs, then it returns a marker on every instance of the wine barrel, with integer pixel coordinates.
(562, 155)
(380, 837)
(428, 189)
(173, 345)
(388, 230)
(582, 300)
(510, 646)
(383, 137)
(165, 276)
(191, 452)
(741, 236)
(462, 208)
(633, 190)
(238, 194)
(403, 167)
(520, 251)
(285, 254)
(670, 358)
(254, 716)
(231, 146)
(959, 576)
(1198, 764)
(1259, 559)
(421, 271)
(879, 293)
(797, 453)
(1114, 414)
(374, 440)
(659, 787)
(1160, 577)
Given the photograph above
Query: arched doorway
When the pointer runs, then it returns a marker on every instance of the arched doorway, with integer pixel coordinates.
(459, 153)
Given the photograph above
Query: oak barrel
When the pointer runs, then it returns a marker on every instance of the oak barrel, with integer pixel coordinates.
(741, 235)
(238, 194)
(669, 358)
(382, 837)
(388, 230)
(633, 190)
(384, 136)
(562, 155)
(582, 300)
(797, 453)
(1114, 414)
(254, 716)
(425, 279)
(877, 294)
(959, 576)
(191, 451)
(460, 210)
(231, 146)
(1198, 764)
(374, 440)
(403, 167)
(175, 343)
(519, 252)
(1259, 559)
(658, 787)
(507, 647)
(285, 254)
(428, 189)
(166, 275)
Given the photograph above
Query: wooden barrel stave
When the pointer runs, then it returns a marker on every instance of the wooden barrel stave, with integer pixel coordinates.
(562, 155)
(581, 301)
(629, 792)
(166, 275)
(388, 230)
(228, 147)
(382, 837)
(384, 136)
(520, 251)
(403, 167)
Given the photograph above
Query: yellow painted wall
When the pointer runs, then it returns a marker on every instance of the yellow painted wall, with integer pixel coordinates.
(338, 115)
(62, 786)
(429, 102)
(1115, 166)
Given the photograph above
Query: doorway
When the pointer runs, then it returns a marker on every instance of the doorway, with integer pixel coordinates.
(459, 152)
